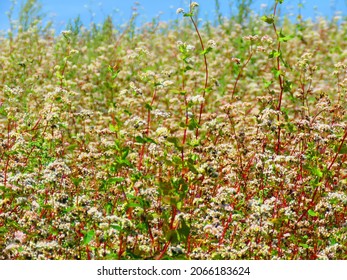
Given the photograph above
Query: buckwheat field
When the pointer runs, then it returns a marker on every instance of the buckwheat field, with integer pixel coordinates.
(184, 139)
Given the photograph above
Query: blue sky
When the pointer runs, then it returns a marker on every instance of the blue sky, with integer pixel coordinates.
(60, 11)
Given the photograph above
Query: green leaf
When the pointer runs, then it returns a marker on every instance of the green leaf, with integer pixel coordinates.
(116, 227)
(291, 127)
(176, 142)
(206, 51)
(316, 171)
(192, 168)
(268, 19)
(332, 241)
(177, 160)
(285, 63)
(111, 256)
(115, 74)
(187, 68)
(115, 180)
(183, 231)
(2, 111)
(276, 72)
(148, 107)
(125, 153)
(182, 48)
(45, 206)
(179, 205)
(194, 157)
(180, 186)
(288, 85)
(113, 128)
(88, 237)
(312, 213)
(144, 139)
(266, 83)
(284, 38)
(172, 236)
(181, 92)
(275, 54)
(343, 149)
(108, 208)
(193, 124)
(133, 205)
(3, 230)
(76, 181)
(304, 245)
(68, 209)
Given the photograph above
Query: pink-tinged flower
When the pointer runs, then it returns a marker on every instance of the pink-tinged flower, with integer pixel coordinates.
(20, 236)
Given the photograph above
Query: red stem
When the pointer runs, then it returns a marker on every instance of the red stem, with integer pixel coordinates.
(147, 129)
(280, 81)
(206, 74)
(339, 149)
(239, 75)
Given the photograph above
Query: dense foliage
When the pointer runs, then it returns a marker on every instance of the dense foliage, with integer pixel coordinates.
(174, 140)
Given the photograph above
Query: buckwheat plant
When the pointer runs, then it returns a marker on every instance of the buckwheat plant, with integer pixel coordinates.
(174, 140)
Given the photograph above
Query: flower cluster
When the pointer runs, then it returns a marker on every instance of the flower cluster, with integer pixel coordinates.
(153, 144)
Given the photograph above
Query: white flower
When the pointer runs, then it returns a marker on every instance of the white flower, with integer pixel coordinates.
(45, 244)
(190, 47)
(162, 131)
(179, 43)
(104, 225)
(11, 246)
(236, 60)
(15, 91)
(74, 52)
(266, 39)
(55, 171)
(208, 228)
(197, 99)
(194, 4)
(179, 11)
(161, 113)
(94, 212)
(66, 32)
(167, 83)
(211, 43)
